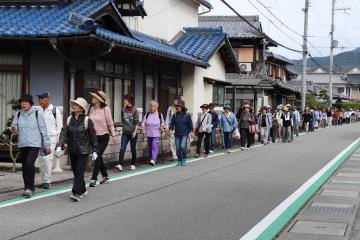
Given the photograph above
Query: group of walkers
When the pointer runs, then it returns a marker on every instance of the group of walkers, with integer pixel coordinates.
(42, 134)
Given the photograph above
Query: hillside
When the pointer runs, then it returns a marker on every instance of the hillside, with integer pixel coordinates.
(342, 61)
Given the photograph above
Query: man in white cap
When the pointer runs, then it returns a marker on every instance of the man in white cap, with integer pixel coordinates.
(54, 124)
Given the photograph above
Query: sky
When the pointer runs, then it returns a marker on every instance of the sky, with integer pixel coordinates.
(291, 16)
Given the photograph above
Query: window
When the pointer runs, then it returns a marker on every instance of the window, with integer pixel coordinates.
(340, 90)
(149, 90)
(115, 80)
(348, 90)
(10, 83)
(218, 95)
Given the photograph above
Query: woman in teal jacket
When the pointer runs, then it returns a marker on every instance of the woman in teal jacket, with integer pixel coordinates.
(228, 124)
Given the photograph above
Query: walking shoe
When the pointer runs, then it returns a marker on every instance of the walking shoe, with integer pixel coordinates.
(152, 162)
(119, 167)
(206, 155)
(228, 151)
(197, 155)
(75, 197)
(46, 186)
(27, 193)
(242, 148)
(183, 163)
(92, 183)
(132, 168)
(179, 163)
(84, 194)
(211, 151)
(105, 180)
(41, 185)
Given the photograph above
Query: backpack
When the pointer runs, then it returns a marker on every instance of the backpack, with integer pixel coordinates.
(86, 121)
(160, 116)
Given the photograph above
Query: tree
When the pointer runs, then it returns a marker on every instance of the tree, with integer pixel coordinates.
(311, 100)
(325, 98)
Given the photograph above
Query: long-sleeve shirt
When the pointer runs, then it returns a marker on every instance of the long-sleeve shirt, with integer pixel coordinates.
(214, 119)
(31, 129)
(152, 123)
(228, 123)
(102, 120)
(53, 126)
(182, 124)
(204, 122)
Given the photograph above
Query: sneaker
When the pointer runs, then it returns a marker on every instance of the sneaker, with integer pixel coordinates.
(242, 148)
(84, 194)
(41, 185)
(46, 186)
(92, 183)
(27, 193)
(206, 155)
(152, 162)
(211, 151)
(75, 197)
(228, 151)
(119, 167)
(132, 168)
(197, 155)
(105, 180)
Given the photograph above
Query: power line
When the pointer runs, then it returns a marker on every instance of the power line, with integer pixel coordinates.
(258, 30)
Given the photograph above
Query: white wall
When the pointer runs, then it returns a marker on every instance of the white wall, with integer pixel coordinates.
(196, 90)
(167, 17)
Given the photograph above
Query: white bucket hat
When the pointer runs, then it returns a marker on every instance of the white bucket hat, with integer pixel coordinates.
(82, 103)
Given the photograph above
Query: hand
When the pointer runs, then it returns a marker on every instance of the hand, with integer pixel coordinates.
(47, 150)
(134, 134)
(13, 128)
(94, 156)
(192, 134)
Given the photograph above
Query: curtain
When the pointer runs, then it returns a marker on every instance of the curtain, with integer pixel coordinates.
(10, 87)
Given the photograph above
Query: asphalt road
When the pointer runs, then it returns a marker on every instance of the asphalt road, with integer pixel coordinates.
(218, 198)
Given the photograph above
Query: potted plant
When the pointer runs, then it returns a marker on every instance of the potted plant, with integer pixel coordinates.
(8, 140)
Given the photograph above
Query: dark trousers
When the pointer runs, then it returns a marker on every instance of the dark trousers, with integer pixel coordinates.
(78, 164)
(125, 139)
(228, 140)
(28, 158)
(206, 142)
(245, 139)
(99, 165)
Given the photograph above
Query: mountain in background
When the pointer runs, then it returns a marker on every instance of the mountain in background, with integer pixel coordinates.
(342, 62)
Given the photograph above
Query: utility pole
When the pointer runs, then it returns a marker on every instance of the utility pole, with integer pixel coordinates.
(305, 52)
(263, 68)
(332, 46)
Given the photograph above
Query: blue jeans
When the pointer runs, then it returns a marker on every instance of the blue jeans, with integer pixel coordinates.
(228, 140)
(125, 139)
(181, 147)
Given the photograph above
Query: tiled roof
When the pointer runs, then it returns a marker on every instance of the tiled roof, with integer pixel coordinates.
(150, 44)
(53, 21)
(202, 43)
(279, 57)
(354, 78)
(46, 20)
(233, 25)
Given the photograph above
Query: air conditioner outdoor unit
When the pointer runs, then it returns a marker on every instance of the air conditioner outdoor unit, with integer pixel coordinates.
(245, 67)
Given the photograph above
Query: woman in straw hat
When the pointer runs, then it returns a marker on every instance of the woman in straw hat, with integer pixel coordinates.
(79, 136)
(229, 124)
(100, 115)
(287, 123)
(182, 124)
(245, 122)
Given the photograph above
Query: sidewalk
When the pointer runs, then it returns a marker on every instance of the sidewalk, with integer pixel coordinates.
(333, 213)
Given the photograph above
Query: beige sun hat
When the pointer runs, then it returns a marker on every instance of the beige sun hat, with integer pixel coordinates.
(82, 103)
(100, 95)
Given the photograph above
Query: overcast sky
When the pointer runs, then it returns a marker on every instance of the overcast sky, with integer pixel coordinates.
(347, 23)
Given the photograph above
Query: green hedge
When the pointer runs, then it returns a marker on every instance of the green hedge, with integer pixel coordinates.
(346, 105)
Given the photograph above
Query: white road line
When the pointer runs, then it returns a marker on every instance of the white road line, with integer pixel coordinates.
(259, 228)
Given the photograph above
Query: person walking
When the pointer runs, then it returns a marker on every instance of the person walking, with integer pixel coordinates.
(228, 124)
(79, 136)
(278, 123)
(203, 130)
(182, 124)
(100, 115)
(245, 122)
(287, 123)
(270, 117)
(296, 120)
(307, 119)
(152, 125)
(30, 125)
(54, 123)
(264, 125)
(130, 119)
(169, 114)
(335, 117)
(215, 125)
(329, 115)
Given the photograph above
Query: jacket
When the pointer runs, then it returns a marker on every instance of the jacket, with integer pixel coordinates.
(267, 120)
(78, 139)
(182, 124)
(204, 122)
(214, 119)
(246, 120)
(228, 124)
(31, 129)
